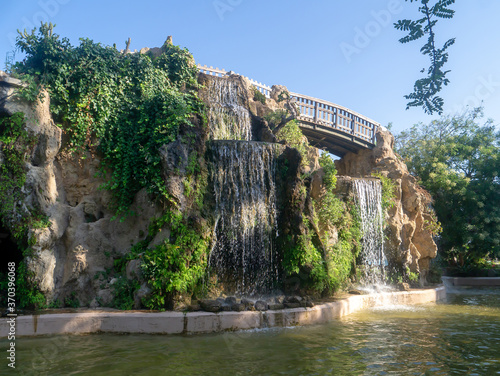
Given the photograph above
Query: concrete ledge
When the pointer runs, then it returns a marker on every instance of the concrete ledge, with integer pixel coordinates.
(204, 322)
(470, 281)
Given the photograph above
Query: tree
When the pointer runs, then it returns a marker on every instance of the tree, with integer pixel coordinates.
(425, 89)
(458, 161)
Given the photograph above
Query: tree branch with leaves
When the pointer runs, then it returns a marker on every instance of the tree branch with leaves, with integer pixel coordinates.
(426, 89)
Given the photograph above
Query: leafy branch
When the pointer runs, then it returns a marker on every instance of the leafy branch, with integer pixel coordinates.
(425, 89)
(122, 106)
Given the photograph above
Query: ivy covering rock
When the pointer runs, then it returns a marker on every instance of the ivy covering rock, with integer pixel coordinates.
(107, 192)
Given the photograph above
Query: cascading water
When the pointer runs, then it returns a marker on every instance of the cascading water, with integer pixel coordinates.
(243, 176)
(228, 119)
(369, 200)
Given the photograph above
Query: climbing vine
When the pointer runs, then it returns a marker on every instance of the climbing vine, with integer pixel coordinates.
(123, 106)
(176, 265)
(333, 212)
(16, 146)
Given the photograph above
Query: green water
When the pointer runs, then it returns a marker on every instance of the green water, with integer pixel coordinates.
(459, 337)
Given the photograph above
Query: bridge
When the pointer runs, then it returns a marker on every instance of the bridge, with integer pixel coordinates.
(326, 125)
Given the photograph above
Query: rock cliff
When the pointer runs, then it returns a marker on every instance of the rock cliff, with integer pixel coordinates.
(409, 241)
(72, 255)
(82, 238)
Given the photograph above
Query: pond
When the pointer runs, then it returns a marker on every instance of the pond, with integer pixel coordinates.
(458, 337)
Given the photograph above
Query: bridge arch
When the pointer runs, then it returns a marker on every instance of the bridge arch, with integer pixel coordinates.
(326, 125)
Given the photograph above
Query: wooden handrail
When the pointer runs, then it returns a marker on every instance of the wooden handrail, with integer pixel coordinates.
(318, 111)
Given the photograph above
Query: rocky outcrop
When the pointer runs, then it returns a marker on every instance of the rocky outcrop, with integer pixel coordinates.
(82, 237)
(73, 255)
(409, 243)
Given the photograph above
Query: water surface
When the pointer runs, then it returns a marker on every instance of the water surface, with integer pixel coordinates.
(459, 337)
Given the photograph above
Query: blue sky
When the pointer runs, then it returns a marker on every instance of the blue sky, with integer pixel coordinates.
(346, 52)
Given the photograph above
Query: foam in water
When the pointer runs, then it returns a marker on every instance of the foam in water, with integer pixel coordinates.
(243, 176)
(228, 119)
(369, 200)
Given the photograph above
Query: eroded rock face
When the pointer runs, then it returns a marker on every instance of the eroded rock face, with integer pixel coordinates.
(82, 239)
(82, 236)
(408, 242)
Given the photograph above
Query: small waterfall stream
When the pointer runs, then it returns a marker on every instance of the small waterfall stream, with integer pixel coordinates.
(243, 176)
(369, 200)
(242, 173)
(228, 119)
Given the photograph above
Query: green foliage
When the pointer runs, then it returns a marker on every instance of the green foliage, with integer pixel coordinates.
(339, 264)
(333, 212)
(16, 145)
(258, 96)
(179, 65)
(30, 92)
(388, 191)
(330, 171)
(329, 208)
(431, 222)
(434, 273)
(176, 265)
(275, 117)
(124, 290)
(413, 277)
(480, 268)
(72, 301)
(306, 257)
(342, 256)
(326, 263)
(458, 162)
(124, 106)
(425, 89)
(27, 293)
(55, 304)
(291, 135)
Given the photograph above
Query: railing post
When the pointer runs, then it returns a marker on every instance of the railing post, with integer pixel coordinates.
(316, 107)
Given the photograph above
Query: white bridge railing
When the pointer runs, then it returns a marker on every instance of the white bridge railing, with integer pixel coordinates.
(318, 111)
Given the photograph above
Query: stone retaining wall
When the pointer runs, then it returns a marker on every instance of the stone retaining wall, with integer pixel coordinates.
(203, 322)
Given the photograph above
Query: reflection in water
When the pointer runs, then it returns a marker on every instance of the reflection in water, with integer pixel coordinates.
(461, 337)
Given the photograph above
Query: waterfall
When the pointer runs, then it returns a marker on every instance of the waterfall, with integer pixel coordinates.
(243, 177)
(369, 200)
(228, 119)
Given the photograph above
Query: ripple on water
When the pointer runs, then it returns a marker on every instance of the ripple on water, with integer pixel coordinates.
(456, 338)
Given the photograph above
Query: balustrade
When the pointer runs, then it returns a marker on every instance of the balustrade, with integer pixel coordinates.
(318, 112)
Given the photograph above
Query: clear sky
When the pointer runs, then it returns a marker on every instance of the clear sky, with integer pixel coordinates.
(343, 51)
